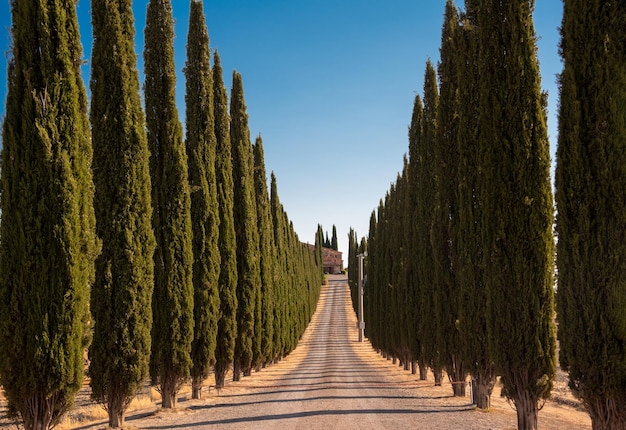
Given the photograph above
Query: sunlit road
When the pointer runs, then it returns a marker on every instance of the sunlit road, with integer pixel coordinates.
(330, 381)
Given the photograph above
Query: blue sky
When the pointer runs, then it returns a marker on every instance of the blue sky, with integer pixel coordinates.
(329, 84)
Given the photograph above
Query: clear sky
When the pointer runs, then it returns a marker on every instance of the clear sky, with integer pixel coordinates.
(329, 84)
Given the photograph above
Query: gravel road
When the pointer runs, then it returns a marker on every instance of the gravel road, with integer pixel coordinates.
(331, 381)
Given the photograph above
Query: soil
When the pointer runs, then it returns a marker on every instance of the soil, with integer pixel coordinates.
(332, 381)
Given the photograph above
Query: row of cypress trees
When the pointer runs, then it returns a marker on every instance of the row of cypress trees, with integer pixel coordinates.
(192, 263)
(331, 243)
(489, 247)
(460, 250)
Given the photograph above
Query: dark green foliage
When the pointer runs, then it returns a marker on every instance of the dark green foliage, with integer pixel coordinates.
(297, 285)
(353, 269)
(319, 244)
(122, 294)
(172, 301)
(472, 315)
(370, 294)
(416, 136)
(266, 253)
(327, 242)
(447, 297)
(201, 146)
(280, 285)
(333, 241)
(246, 231)
(464, 234)
(516, 206)
(227, 283)
(425, 195)
(48, 241)
(590, 195)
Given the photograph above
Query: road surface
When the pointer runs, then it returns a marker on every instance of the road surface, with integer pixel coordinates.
(331, 381)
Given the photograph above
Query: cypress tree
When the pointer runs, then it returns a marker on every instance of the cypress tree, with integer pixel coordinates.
(122, 294)
(590, 195)
(425, 195)
(517, 206)
(398, 278)
(472, 315)
(353, 269)
(227, 281)
(370, 294)
(381, 311)
(319, 244)
(280, 342)
(416, 137)
(172, 301)
(48, 242)
(333, 241)
(289, 298)
(246, 230)
(266, 252)
(444, 241)
(403, 221)
(201, 144)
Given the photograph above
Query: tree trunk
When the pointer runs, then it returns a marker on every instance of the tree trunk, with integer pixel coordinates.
(236, 371)
(220, 377)
(116, 414)
(481, 395)
(413, 367)
(247, 372)
(607, 414)
(482, 386)
(40, 423)
(457, 376)
(527, 411)
(41, 413)
(407, 364)
(423, 372)
(196, 387)
(438, 373)
(169, 389)
(458, 388)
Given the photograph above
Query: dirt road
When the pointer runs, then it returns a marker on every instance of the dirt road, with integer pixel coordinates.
(331, 381)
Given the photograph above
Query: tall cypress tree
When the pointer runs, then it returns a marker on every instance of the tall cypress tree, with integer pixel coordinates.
(246, 230)
(353, 269)
(48, 242)
(590, 195)
(201, 144)
(122, 294)
(416, 137)
(227, 281)
(370, 294)
(172, 301)
(425, 197)
(444, 241)
(517, 206)
(319, 244)
(280, 342)
(472, 315)
(266, 253)
(406, 273)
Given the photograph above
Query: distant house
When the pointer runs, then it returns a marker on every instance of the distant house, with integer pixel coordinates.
(332, 260)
